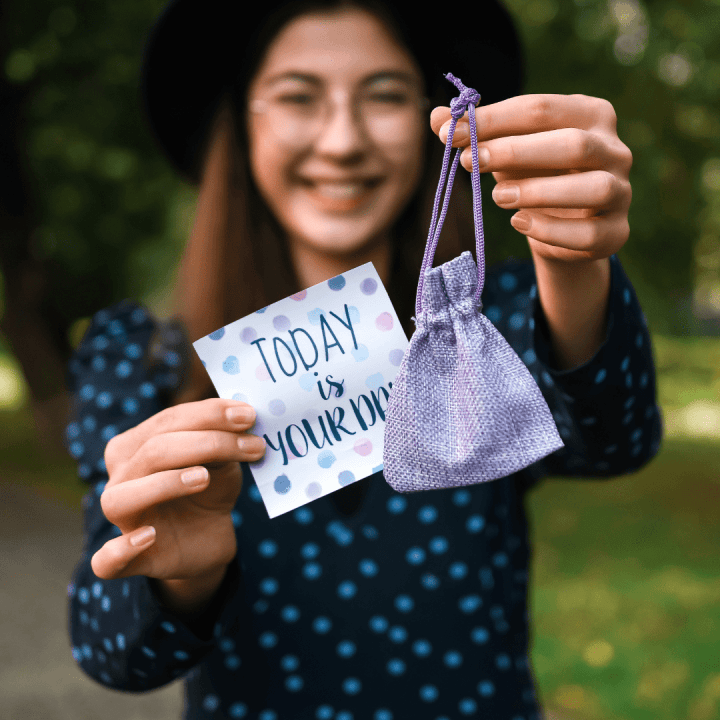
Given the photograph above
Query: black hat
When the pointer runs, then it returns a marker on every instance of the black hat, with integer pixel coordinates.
(198, 49)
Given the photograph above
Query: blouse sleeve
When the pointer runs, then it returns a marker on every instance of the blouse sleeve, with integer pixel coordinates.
(124, 371)
(606, 409)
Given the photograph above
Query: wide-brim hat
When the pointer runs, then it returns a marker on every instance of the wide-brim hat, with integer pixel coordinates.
(199, 49)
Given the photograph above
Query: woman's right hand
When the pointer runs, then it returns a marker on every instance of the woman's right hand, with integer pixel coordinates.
(194, 532)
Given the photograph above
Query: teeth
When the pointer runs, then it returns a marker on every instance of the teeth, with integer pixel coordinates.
(341, 190)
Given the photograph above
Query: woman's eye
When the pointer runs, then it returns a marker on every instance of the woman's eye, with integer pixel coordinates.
(300, 99)
(395, 98)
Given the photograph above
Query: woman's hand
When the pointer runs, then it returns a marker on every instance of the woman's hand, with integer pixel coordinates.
(558, 159)
(195, 535)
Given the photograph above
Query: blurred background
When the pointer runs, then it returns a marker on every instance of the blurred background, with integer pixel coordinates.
(626, 575)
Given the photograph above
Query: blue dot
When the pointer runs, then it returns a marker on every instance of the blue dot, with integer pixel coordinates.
(428, 693)
(310, 550)
(181, 655)
(493, 314)
(427, 514)
(294, 683)
(100, 342)
(644, 380)
(268, 639)
(347, 589)
(290, 613)
(227, 645)
(625, 363)
(130, 406)
(500, 559)
(105, 604)
(269, 586)
(452, 659)
(84, 595)
(107, 642)
(503, 661)
(601, 375)
(404, 603)
(422, 648)
(346, 477)
(147, 390)
(260, 606)
(72, 431)
(322, 625)
(303, 515)
(529, 356)
(290, 663)
(346, 648)
(282, 484)
(324, 712)
(217, 334)
(238, 710)
(467, 706)
(148, 651)
(268, 548)
(344, 715)
(383, 714)
(108, 432)
(461, 498)
(368, 568)
(116, 328)
(546, 378)
(486, 688)
(133, 351)
(458, 570)
(469, 603)
(396, 504)
(104, 399)
(352, 686)
(496, 612)
(475, 523)
(415, 555)
(398, 634)
(396, 666)
(211, 703)
(479, 635)
(87, 392)
(89, 423)
(120, 641)
(430, 581)
(236, 518)
(312, 570)
(439, 545)
(508, 281)
(77, 449)
(626, 296)
(516, 320)
(123, 369)
(98, 363)
(637, 434)
(336, 283)
(378, 624)
(370, 532)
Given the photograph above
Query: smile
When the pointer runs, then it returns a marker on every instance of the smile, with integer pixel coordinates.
(341, 196)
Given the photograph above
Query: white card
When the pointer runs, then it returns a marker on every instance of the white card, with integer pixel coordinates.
(318, 368)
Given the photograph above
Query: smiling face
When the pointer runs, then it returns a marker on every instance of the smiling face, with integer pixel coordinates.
(337, 191)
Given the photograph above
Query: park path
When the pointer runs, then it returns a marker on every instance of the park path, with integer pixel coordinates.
(40, 543)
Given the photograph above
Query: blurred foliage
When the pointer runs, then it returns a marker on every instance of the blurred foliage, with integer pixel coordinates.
(111, 216)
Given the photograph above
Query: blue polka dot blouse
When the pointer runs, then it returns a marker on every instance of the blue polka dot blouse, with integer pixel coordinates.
(413, 607)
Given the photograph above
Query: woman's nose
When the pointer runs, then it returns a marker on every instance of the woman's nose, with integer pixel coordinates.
(343, 130)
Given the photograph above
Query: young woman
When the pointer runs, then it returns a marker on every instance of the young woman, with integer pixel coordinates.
(306, 126)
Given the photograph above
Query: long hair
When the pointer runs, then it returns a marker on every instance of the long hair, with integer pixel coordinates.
(237, 261)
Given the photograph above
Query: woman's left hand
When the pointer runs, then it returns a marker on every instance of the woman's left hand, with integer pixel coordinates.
(561, 156)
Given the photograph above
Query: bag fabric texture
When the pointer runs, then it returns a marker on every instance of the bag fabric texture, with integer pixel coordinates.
(464, 408)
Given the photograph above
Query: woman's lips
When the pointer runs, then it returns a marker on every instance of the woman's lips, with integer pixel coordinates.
(341, 197)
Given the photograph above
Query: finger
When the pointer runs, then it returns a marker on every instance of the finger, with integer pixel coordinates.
(113, 559)
(599, 236)
(566, 149)
(188, 448)
(211, 414)
(597, 190)
(123, 501)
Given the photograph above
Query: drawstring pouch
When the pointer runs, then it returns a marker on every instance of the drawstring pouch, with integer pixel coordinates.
(463, 409)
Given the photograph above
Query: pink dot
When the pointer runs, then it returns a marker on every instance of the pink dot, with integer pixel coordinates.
(299, 296)
(363, 447)
(261, 372)
(384, 321)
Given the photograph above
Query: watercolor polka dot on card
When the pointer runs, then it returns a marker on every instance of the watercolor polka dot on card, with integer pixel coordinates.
(231, 365)
(261, 310)
(363, 446)
(336, 283)
(346, 477)
(384, 321)
(281, 322)
(276, 407)
(375, 381)
(261, 372)
(217, 334)
(396, 357)
(314, 316)
(368, 286)
(326, 458)
(313, 490)
(354, 314)
(307, 382)
(299, 296)
(240, 396)
(248, 334)
(282, 484)
(360, 353)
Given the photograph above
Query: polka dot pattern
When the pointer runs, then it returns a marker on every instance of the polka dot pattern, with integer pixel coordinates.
(316, 598)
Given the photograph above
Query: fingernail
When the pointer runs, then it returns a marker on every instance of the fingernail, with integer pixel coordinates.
(521, 222)
(194, 478)
(461, 134)
(240, 414)
(506, 195)
(142, 536)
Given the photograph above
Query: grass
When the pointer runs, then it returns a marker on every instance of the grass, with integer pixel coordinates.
(625, 592)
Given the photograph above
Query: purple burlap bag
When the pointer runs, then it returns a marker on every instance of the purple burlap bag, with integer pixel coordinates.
(463, 408)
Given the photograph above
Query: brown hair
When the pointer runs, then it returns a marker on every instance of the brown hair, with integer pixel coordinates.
(236, 260)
